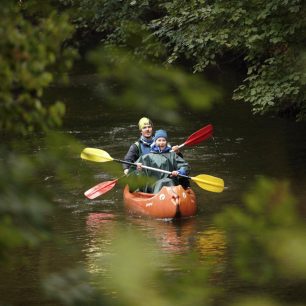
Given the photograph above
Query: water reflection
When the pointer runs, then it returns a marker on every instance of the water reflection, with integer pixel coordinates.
(174, 236)
(170, 236)
(100, 227)
(95, 220)
(211, 244)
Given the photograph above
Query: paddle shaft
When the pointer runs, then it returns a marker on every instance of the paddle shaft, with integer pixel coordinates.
(147, 167)
(195, 179)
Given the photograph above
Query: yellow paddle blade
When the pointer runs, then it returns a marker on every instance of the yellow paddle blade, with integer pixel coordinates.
(96, 155)
(209, 182)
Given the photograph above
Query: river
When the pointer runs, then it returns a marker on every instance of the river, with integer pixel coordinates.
(243, 148)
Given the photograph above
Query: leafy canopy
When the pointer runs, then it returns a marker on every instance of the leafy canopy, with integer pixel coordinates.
(31, 47)
(268, 37)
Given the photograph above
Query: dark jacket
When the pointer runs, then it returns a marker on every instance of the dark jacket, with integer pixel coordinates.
(135, 151)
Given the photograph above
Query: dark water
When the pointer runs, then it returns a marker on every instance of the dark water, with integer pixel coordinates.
(243, 148)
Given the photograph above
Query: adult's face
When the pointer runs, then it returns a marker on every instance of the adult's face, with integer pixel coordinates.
(147, 131)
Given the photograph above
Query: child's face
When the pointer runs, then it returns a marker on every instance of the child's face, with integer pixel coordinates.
(161, 142)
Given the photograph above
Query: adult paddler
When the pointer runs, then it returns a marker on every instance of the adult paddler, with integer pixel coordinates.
(142, 145)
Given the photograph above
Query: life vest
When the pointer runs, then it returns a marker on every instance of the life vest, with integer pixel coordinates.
(142, 148)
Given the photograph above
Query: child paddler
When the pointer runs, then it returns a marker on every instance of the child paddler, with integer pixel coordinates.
(161, 157)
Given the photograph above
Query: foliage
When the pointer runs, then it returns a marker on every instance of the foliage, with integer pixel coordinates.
(31, 40)
(266, 239)
(32, 37)
(31, 47)
(24, 208)
(264, 249)
(138, 84)
(23, 211)
(267, 37)
(32, 56)
(116, 22)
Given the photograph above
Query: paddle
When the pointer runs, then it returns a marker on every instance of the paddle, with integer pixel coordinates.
(198, 136)
(204, 181)
(100, 189)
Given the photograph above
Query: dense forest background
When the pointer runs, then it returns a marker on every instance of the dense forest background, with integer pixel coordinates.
(264, 40)
(161, 52)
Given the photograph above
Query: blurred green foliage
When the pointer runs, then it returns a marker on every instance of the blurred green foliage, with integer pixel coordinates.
(264, 249)
(134, 277)
(25, 201)
(265, 239)
(22, 210)
(31, 39)
(31, 43)
(131, 83)
(32, 56)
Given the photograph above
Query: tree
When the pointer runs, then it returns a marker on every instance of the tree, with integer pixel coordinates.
(31, 40)
(266, 37)
(31, 47)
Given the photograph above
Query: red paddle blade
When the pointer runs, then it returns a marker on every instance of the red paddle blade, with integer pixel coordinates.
(200, 135)
(100, 189)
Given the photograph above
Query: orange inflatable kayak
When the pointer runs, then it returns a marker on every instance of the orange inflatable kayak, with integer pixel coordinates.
(170, 202)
